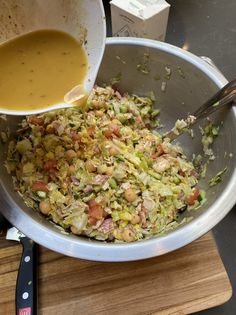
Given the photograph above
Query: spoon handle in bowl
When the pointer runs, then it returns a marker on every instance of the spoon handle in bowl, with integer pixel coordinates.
(225, 96)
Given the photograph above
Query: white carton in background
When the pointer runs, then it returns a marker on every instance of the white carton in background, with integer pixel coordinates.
(139, 18)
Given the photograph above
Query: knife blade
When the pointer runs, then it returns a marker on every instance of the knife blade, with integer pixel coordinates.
(26, 295)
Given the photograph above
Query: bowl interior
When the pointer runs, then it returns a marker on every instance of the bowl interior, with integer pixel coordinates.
(179, 88)
(141, 69)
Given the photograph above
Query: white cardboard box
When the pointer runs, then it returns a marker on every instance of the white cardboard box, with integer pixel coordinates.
(139, 18)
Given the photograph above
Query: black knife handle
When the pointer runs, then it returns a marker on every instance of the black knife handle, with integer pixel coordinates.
(26, 285)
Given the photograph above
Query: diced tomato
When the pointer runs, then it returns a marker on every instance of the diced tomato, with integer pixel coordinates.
(92, 203)
(95, 211)
(34, 120)
(91, 131)
(159, 151)
(107, 133)
(192, 198)
(50, 166)
(75, 136)
(92, 221)
(39, 185)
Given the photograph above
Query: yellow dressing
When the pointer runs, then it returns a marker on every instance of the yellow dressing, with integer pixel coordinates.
(39, 68)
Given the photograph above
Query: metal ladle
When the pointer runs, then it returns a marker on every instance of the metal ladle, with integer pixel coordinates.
(225, 96)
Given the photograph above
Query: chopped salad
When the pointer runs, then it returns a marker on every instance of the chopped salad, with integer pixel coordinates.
(103, 171)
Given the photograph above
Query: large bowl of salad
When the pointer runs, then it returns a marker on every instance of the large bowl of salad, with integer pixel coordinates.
(103, 182)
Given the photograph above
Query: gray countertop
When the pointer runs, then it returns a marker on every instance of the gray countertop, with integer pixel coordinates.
(208, 27)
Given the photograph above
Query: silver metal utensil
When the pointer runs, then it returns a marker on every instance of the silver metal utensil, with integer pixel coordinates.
(225, 96)
(26, 285)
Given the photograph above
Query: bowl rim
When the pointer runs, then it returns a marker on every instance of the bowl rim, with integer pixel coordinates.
(116, 252)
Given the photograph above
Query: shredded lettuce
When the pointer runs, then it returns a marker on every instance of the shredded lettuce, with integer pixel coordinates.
(217, 178)
(104, 172)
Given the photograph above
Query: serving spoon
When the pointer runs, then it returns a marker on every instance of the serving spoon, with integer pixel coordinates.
(225, 96)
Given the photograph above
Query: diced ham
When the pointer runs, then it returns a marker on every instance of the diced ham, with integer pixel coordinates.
(60, 129)
(113, 130)
(149, 204)
(96, 149)
(138, 119)
(75, 181)
(107, 226)
(88, 189)
(39, 185)
(142, 215)
(195, 174)
(100, 179)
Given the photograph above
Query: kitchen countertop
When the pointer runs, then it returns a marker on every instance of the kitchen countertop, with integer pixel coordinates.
(209, 29)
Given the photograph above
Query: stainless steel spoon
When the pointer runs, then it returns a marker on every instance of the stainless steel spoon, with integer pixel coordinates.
(225, 96)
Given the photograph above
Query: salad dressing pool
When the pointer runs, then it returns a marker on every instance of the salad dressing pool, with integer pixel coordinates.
(39, 68)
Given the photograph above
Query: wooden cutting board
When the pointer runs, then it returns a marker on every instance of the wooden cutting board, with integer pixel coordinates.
(185, 281)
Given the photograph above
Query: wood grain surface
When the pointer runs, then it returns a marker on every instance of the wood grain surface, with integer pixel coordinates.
(185, 281)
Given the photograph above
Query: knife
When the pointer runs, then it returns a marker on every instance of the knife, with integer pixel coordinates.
(26, 286)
